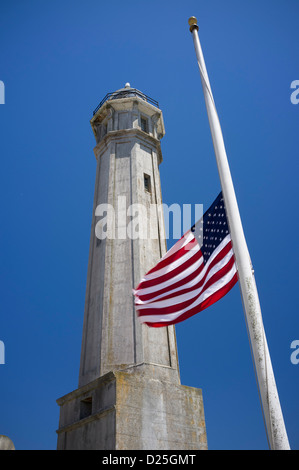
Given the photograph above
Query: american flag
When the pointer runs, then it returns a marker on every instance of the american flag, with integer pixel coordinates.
(196, 272)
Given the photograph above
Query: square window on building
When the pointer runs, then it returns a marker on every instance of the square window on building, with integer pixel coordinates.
(85, 407)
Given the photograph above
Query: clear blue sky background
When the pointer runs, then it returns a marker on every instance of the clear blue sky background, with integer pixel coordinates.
(58, 60)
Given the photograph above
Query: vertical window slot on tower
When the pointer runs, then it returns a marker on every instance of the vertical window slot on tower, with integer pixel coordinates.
(143, 124)
(147, 183)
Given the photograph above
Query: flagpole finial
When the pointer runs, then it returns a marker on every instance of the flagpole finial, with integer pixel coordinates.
(193, 23)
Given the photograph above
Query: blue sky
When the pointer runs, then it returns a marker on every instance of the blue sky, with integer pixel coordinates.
(58, 60)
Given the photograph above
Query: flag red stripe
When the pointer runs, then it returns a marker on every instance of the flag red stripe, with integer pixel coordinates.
(199, 308)
(181, 282)
(202, 283)
(175, 256)
(174, 272)
(182, 305)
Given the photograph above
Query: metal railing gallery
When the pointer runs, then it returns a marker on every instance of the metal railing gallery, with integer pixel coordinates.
(126, 93)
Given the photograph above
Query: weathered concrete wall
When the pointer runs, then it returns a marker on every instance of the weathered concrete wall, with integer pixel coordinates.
(131, 410)
(156, 415)
(97, 429)
(112, 336)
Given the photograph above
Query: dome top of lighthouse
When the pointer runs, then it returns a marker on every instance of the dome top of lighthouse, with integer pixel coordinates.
(126, 92)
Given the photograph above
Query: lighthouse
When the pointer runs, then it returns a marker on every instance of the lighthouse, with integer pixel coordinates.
(129, 393)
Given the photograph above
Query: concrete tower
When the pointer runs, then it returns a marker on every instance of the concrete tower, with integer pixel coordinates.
(129, 394)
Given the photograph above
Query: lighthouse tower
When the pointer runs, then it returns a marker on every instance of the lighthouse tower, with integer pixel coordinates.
(129, 394)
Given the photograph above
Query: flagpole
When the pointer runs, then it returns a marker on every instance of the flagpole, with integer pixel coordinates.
(274, 422)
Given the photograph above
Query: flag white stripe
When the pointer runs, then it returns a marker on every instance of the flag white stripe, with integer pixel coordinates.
(148, 290)
(188, 237)
(172, 266)
(207, 293)
(189, 270)
(153, 303)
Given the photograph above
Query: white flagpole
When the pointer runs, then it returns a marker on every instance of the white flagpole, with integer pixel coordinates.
(274, 422)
